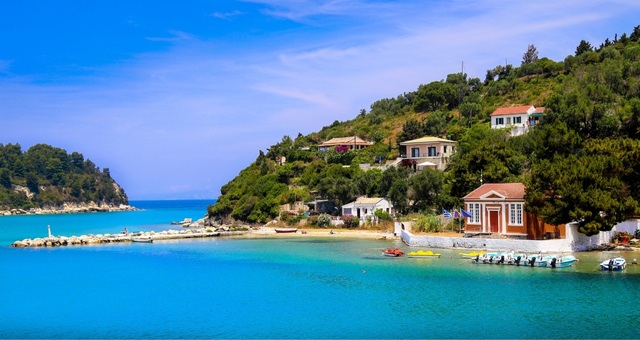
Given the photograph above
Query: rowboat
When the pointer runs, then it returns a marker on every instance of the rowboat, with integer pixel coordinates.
(423, 253)
(286, 230)
(393, 252)
(142, 239)
(614, 264)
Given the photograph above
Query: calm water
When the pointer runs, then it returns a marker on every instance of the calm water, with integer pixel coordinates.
(292, 288)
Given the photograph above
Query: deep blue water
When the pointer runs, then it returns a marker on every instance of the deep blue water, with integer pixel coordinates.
(295, 288)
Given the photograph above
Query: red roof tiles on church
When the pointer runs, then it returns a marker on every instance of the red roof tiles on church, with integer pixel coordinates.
(508, 190)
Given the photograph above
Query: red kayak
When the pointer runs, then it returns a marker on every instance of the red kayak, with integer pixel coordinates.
(393, 252)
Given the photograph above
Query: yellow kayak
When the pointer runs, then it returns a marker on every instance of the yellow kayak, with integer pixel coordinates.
(422, 253)
(472, 254)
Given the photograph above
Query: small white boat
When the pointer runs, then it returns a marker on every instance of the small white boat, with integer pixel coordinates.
(614, 264)
(142, 239)
(554, 261)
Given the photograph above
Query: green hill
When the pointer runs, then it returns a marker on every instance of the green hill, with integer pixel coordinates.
(580, 164)
(48, 176)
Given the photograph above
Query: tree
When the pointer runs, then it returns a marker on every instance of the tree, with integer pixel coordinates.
(5, 178)
(583, 47)
(425, 187)
(531, 56)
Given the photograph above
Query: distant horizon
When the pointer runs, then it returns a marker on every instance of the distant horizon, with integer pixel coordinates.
(176, 99)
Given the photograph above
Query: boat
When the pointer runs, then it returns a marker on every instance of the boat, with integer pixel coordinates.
(393, 252)
(142, 239)
(471, 254)
(286, 230)
(614, 264)
(423, 253)
(554, 261)
(492, 258)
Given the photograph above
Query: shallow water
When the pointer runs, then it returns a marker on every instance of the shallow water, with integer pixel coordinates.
(302, 288)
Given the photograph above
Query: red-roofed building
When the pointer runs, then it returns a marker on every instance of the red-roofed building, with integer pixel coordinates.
(518, 118)
(498, 208)
(353, 143)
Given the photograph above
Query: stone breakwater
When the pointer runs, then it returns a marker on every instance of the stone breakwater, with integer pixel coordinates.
(58, 241)
(69, 208)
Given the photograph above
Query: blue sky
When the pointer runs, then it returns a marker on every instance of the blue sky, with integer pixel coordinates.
(176, 97)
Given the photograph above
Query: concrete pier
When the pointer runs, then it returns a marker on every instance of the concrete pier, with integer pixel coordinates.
(58, 241)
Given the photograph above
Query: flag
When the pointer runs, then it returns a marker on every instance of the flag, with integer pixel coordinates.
(446, 213)
(456, 214)
(466, 213)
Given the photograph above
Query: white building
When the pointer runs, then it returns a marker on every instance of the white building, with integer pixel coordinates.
(365, 207)
(518, 118)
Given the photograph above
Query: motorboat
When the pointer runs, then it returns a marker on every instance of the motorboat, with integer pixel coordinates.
(393, 252)
(142, 239)
(554, 261)
(614, 264)
(423, 253)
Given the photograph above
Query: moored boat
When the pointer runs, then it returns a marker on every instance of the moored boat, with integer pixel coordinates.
(423, 253)
(393, 252)
(142, 239)
(286, 230)
(554, 261)
(614, 264)
(471, 254)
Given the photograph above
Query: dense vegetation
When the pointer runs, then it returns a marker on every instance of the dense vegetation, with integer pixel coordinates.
(48, 176)
(581, 163)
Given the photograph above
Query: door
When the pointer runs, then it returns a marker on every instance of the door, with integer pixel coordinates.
(494, 221)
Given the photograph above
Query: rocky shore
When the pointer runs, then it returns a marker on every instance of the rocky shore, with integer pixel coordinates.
(69, 208)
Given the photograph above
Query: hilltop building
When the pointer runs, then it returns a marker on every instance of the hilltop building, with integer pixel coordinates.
(353, 143)
(428, 152)
(518, 118)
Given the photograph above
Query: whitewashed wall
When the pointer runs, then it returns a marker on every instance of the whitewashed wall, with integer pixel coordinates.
(574, 241)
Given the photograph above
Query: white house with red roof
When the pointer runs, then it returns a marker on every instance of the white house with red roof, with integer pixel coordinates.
(498, 209)
(517, 118)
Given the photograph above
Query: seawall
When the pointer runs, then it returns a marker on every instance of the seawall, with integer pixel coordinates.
(574, 241)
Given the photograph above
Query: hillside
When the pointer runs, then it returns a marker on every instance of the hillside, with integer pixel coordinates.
(580, 163)
(45, 176)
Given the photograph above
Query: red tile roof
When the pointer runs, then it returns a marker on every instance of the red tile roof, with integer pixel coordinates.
(508, 190)
(346, 141)
(539, 109)
(513, 110)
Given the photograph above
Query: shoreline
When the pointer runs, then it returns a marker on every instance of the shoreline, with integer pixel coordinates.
(69, 209)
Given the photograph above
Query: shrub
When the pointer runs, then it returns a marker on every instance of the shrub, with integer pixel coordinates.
(351, 221)
(324, 220)
(428, 223)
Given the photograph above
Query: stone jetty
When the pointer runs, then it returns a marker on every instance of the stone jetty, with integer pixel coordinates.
(57, 241)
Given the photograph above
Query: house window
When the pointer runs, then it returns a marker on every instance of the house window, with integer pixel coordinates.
(499, 121)
(515, 214)
(431, 151)
(346, 211)
(474, 209)
(444, 149)
(508, 120)
(517, 120)
(415, 152)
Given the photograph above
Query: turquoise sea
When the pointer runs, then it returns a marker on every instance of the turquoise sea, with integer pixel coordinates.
(288, 288)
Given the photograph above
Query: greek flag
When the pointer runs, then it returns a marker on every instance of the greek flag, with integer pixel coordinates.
(465, 213)
(446, 213)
